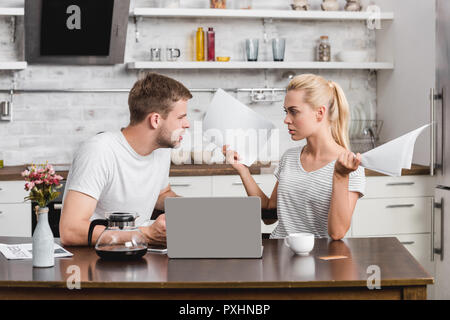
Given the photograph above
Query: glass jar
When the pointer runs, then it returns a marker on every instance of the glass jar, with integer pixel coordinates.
(121, 240)
(218, 4)
(324, 50)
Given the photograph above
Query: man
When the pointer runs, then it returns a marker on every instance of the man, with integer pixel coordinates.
(128, 170)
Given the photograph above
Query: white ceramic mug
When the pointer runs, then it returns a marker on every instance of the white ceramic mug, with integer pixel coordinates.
(300, 243)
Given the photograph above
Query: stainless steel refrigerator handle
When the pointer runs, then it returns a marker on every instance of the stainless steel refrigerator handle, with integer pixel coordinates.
(432, 228)
(440, 251)
(433, 133)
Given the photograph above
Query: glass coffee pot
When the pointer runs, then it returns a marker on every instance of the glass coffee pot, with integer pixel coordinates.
(121, 240)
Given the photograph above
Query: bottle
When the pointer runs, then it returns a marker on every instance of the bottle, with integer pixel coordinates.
(210, 37)
(200, 44)
(1, 160)
(324, 49)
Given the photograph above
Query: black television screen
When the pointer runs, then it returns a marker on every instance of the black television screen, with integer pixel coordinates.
(76, 28)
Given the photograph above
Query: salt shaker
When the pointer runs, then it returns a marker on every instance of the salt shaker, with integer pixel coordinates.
(324, 50)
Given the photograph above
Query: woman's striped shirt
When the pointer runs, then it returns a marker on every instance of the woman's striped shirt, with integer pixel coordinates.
(303, 198)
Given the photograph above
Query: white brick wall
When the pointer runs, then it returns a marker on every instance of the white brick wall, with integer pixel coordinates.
(51, 126)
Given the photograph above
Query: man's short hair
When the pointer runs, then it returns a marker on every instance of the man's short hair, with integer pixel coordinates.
(155, 93)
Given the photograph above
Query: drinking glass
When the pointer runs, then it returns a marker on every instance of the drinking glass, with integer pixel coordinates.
(278, 46)
(155, 54)
(251, 47)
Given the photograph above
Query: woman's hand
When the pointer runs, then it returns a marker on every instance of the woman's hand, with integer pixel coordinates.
(232, 157)
(346, 163)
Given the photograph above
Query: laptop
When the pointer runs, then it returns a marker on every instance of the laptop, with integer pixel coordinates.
(213, 227)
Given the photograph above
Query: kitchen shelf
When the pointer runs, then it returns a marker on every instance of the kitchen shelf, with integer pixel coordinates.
(254, 13)
(12, 11)
(14, 65)
(260, 65)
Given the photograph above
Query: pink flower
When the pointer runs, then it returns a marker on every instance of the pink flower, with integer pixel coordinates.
(38, 181)
(26, 173)
(29, 186)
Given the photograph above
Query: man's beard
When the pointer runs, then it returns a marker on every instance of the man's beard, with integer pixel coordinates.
(164, 139)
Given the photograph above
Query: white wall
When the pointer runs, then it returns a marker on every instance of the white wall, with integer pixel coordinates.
(403, 93)
(51, 126)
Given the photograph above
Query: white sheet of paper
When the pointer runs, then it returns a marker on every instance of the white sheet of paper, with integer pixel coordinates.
(25, 251)
(391, 157)
(235, 124)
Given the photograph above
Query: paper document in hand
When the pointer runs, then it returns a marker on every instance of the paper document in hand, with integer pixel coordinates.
(391, 157)
(229, 121)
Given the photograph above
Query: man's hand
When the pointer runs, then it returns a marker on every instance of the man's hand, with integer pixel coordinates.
(156, 233)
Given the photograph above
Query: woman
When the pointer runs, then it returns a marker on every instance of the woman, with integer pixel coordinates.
(319, 183)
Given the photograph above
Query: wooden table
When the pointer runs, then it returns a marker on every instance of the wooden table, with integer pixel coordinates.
(278, 275)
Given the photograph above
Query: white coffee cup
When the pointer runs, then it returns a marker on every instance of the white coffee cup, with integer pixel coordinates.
(300, 243)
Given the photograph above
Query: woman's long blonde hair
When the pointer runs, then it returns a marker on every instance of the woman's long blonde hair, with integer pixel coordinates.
(320, 92)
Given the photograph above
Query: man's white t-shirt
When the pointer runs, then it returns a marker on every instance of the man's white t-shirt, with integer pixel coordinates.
(108, 169)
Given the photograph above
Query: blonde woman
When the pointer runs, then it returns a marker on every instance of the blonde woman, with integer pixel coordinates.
(319, 183)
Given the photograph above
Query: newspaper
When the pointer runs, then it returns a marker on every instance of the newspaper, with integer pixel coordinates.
(25, 251)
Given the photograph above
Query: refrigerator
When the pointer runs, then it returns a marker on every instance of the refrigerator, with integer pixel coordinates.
(440, 144)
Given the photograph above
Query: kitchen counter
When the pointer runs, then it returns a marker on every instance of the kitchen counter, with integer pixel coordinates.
(12, 173)
(280, 274)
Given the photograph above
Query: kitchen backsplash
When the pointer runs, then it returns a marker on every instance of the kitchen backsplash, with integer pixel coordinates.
(51, 126)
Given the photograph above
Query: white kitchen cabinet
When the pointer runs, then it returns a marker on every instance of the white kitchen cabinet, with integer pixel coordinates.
(419, 246)
(228, 186)
(15, 219)
(399, 207)
(392, 216)
(397, 187)
(189, 186)
(12, 191)
(15, 214)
